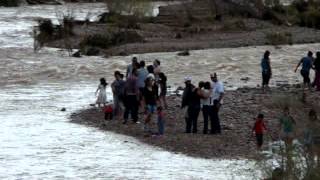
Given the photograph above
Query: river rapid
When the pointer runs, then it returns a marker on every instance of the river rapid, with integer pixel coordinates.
(37, 141)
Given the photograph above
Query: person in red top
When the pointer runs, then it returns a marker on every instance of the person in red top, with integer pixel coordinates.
(108, 112)
(258, 128)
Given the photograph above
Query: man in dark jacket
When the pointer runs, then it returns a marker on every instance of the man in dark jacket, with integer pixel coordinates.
(186, 96)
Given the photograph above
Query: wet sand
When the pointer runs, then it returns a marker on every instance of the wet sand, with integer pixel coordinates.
(237, 113)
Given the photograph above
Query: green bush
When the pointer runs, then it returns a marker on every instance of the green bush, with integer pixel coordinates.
(9, 3)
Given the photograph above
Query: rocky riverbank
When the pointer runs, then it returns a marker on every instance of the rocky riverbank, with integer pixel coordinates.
(237, 113)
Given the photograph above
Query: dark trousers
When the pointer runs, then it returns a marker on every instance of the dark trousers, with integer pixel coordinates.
(160, 124)
(215, 121)
(192, 120)
(266, 78)
(131, 106)
(207, 113)
(305, 75)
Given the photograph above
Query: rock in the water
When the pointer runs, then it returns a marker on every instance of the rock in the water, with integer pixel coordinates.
(245, 79)
(63, 109)
(76, 54)
(184, 53)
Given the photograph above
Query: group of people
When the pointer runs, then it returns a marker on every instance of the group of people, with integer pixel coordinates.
(307, 63)
(144, 88)
(206, 97)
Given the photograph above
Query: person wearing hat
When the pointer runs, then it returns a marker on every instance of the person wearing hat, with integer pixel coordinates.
(186, 101)
(217, 96)
(150, 98)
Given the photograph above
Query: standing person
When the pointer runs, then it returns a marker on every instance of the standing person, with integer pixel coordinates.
(259, 128)
(305, 70)
(186, 98)
(150, 97)
(217, 96)
(150, 69)
(163, 89)
(161, 121)
(102, 96)
(316, 65)
(194, 110)
(131, 97)
(156, 69)
(266, 70)
(287, 126)
(206, 106)
(131, 66)
(117, 87)
(142, 76)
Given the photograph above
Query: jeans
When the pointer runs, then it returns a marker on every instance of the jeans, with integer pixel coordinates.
(116, 106)
(207, 112)
(192, 120)
(160, 126)
(132, 107)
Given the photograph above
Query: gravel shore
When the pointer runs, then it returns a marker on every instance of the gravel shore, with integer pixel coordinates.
(237, 113)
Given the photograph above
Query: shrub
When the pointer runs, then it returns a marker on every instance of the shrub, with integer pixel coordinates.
(299, 160)
(234, 25)
(277, 38)
(311, 18)
(97, 40)
(46, 26)
(113, 39)
(9, 3)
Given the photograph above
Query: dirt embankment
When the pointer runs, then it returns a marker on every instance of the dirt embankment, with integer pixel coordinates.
(182, 27)
(237, 113)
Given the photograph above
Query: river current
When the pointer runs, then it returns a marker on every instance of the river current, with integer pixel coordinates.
(37, 141)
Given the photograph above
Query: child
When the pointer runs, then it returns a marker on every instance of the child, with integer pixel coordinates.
(160, 121)
(287, 126)
(102, 96)
(258, 128)
(163, 89)
(108, 112)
